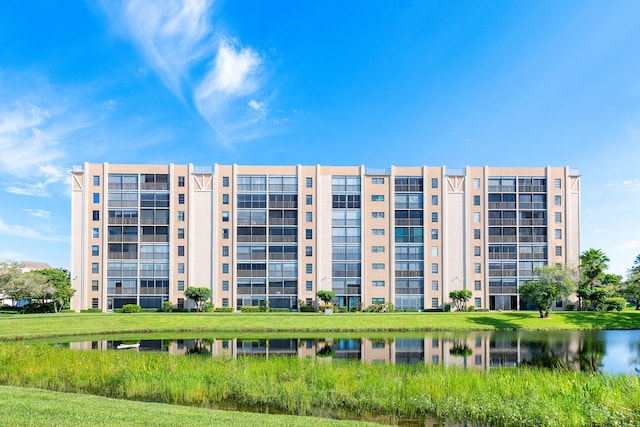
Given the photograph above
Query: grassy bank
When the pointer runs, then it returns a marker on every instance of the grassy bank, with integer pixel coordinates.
(14, 327)
(30, 407)
(500, 397)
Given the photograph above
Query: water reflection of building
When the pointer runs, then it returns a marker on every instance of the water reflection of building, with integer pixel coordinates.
(480, 350)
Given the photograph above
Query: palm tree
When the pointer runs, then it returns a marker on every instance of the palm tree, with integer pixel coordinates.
(593, 263)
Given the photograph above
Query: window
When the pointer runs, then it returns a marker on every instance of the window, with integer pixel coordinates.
(377, 300)
(377, 231)
(434, 268)
(476, 200)
(377, 214)
(434, 285)
(95, 233)
(225, 233)
(95, 250)
(309, 216)
(434, 216)
(180, 302)
(96, 197)
(477, 268)
(477, 285)
(181, 285)
(225, 268)
(377, 266)
(225, 199)
(225, 251)
(180, 250)
(180, 233)
(434, 200)
(377, 198)
(377, 249)
(558, 233)
(225, 216)
(558, 200)
(309, 200)
(225, 302)
(94, 285)
(434, 251)
(476, 217)
(225, 181)
(181, 199)
(558, 216)
(309, 286)
(94, 303)
(308, 234)
(476, 251)
(96, 215)
(434, 304)
(181, 268)
(476, 234)
(309, 182)
(558, 250)
(309, 268)
(557, 183)
(434, 182)
(95, 268)
(377, 283)
(308, 250)
(181, 181)
(476, 183)
(377, 180)
(180, 216)
(477, 302)
(96, 180)
(434, 233)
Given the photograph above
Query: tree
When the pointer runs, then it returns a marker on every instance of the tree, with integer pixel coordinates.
(58, 288)
(460, 298)
(552, 282)
(632, 285)
(198, 295)
(593, 263)
(9, 278)
(326, 296)
(21, 286)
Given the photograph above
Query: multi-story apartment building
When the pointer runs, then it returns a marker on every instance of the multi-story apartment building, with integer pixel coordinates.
(409, 235)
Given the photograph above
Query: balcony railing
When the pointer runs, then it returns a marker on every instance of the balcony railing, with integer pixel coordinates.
(502, 222)
(502, 239)
(252, 239)
(254, 290)
(409, 291)
(282, 239)
(252, 273)
(503, 290)
(349, 290)
(502, 205)
(409, 273)
(282, 221)
(123, 221)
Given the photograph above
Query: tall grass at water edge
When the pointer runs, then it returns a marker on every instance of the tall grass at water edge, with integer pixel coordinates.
(510, 397)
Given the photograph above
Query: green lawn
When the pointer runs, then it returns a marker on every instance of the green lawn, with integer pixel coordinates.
(33, 407)
(13, 327)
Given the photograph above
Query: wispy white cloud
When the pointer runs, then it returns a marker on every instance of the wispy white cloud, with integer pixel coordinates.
(27, 232)
(626, 185)
(38, 213)
(197, 62)
(632, 244)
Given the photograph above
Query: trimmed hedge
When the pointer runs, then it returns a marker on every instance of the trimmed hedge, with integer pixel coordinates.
(617, 304)
(91, 310)
(251, 309)
(131, 308)
(224, 310)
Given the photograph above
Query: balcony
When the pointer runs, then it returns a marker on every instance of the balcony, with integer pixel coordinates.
(280, 256)
(252, 273)
(409, 291)
(158, 238)
(280, 221)
(501, 205)
(283, 239)
(261, 238)
(254, 290)
(409, 273)
(349, 290)
(498, 221)
(532, 188)
(502, 239)
(498, 290)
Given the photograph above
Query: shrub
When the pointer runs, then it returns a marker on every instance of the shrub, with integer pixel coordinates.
(131, 308)
(251, 309)
(167, 306)
(447, 307)
(91, 310)
(571, 307)
(280, 310)
(151, 310)
(354, 309)
(224, 310)
(208, 307)
(617, 304)
(387, 307)
(179, 310)
(38, 307)
(308, 309)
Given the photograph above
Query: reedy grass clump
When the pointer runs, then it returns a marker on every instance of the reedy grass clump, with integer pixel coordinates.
(510, 397)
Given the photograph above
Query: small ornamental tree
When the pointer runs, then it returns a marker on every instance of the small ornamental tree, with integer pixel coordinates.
(553, 282)
(326, 296)
(198, 295)
(460, 299)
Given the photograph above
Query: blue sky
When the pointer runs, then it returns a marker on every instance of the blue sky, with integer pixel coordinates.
(377, 83)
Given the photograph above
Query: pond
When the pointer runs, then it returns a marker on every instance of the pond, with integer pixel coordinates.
(611, 352)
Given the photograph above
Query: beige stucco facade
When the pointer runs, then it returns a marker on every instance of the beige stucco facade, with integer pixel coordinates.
(408, 235)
